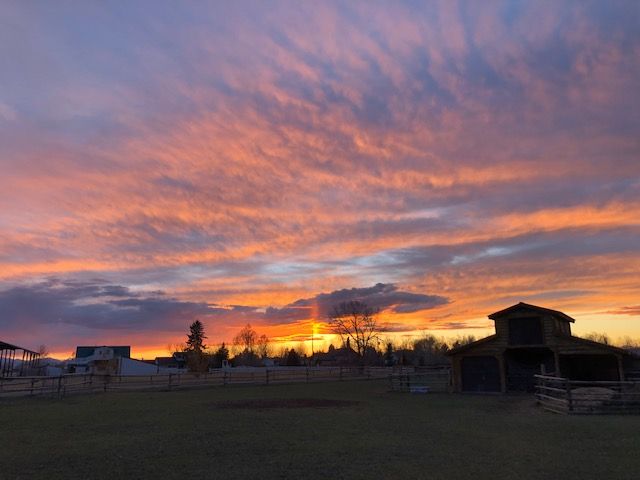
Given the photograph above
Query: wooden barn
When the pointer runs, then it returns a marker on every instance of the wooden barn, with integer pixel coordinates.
(530, 339)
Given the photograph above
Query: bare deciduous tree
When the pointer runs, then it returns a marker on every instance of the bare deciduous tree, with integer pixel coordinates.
(43, 351)
(356, 323)
(263, 349)
(249, 347)
(176, 347)
(598, 337)
(246, 339)
(628, 342)
(462, 340)
(431, 350)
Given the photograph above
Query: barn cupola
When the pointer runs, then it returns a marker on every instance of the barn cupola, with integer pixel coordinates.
(524, 324)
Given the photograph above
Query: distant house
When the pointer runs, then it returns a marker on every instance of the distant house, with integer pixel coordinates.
(111, 360)
(270, 361)
(343, 356)
(117, 351)
(176, 362)
(98, 359)
(530, 339)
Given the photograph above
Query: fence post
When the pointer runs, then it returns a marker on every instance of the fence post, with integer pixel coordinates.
(539, 387)
(569, 400)
(307, 374)
(59, 385)
(224, 378)
(170, 376)
(340, 373)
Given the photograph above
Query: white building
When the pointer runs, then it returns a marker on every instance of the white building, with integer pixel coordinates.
(106, 360)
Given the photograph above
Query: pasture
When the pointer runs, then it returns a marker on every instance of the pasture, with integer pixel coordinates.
(321, 430)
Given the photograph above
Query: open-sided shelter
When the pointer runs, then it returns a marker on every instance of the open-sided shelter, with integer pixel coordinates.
(27, 360)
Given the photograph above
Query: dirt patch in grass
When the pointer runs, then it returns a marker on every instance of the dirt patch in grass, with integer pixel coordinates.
(511, 404)
(260, 404)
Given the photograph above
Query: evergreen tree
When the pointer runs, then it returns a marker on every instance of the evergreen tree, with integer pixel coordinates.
(293, 359)
(221, 355)
(196, 337)
(388, 355)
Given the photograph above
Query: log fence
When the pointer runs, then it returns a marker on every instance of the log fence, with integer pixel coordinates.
(64, 385)
(561, 395)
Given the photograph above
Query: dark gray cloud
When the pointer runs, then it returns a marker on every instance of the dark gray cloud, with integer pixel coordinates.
(95, 305)
(382, 296)
(99, 305)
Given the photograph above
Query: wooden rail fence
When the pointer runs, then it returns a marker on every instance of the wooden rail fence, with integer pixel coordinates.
(64, 385)
(565, 396)
(422, 380)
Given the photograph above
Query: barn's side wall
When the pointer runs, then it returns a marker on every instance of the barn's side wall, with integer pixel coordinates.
(494, 348)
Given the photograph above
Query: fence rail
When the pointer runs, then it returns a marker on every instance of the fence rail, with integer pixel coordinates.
(64, 385)
(423, 380)
(565, 396)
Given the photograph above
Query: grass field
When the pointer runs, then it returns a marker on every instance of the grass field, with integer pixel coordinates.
(331, 430)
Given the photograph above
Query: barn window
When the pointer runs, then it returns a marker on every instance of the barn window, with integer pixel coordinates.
(563, 328)
(525, 331)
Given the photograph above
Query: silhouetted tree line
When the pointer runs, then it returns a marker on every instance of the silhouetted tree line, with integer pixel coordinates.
(355, 323)
(249, 349)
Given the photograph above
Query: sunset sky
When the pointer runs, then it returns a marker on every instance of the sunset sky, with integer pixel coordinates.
(258, 162)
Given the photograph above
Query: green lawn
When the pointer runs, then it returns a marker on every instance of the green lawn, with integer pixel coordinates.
(373, 434)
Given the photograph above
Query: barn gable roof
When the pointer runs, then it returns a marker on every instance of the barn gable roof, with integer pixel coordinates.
(600, 345)
(569, 339)
(472, 345)
(527, 306)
